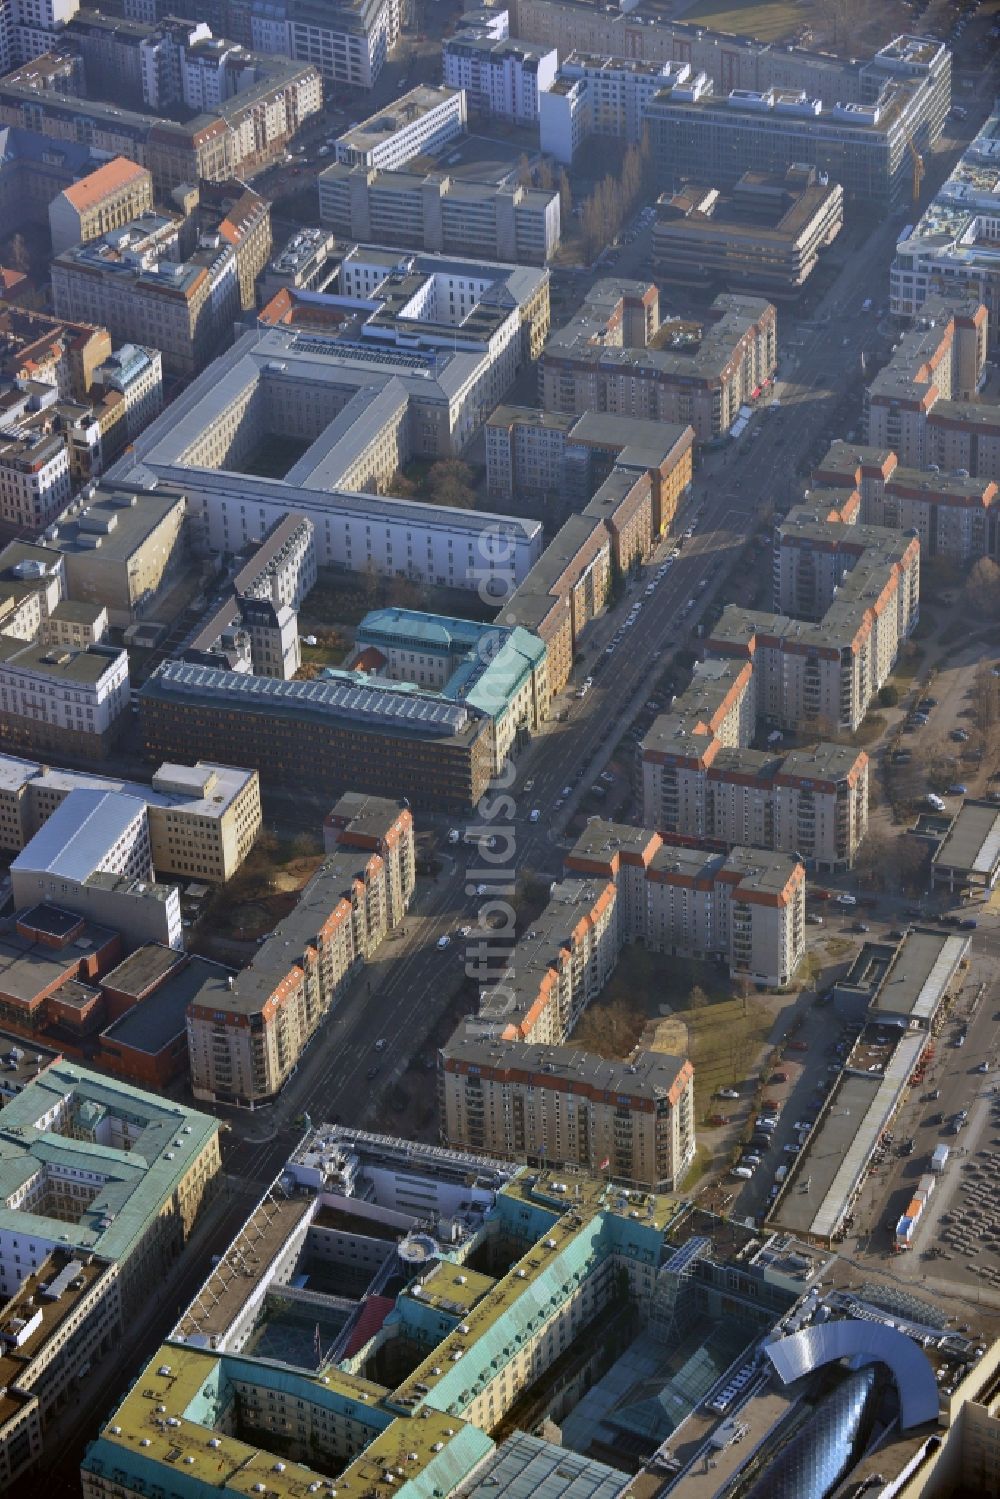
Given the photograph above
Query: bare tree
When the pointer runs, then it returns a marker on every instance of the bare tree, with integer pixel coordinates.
(982, 588)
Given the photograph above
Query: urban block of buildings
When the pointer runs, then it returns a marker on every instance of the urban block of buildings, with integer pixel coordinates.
(950, 248)
(925, 404)
(765, 235)
(411, 1254)
(622, 885)
(403, 363)
(242, 109)
(616, 356)
(102, 1186)
(245, 1042)
(701, 779)
(954, 515)
(135, 281)
(62, 699)
(846, 597)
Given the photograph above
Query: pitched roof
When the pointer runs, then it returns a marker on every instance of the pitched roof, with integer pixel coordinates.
(115, 174)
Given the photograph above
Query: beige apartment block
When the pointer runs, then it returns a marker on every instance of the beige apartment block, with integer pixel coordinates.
(244, 1047)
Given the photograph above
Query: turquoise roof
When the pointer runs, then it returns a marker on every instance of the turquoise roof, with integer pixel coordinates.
(491, 662)
(133, 1184)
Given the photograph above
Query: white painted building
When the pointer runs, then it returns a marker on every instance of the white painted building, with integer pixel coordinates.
(347, 40)
(78, 694)
(501, 77)
(593, 95)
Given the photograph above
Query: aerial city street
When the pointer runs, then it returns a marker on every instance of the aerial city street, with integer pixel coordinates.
(499, 771)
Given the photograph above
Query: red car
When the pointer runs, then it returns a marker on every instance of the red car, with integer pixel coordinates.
(718, 1118)
(797, 1046)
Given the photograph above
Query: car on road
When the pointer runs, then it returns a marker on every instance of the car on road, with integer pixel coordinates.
(650, 588)
(798, 1046)
(453, 835)
(566, 791)
(373, 1072)
(846, 900)
(534, 815)
(968, 925)
(860, 926)
(727, 1093)
(752, 1160)
(443, 942)
(608, 777)
(529, 783)
(983, 1067)
(465, 931)
(743, 1172)
(381, 1043)
(957, 790)
(791, 1149)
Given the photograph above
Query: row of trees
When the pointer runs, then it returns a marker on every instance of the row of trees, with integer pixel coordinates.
(616, 197)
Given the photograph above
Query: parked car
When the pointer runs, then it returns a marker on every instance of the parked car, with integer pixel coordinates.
(957, 790)
(797, 1046)
(718, 1119)
(843, 899)
(779, 1077)
(727, 1093)
(443, 942)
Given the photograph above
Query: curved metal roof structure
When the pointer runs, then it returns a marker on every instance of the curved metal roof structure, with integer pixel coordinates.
(801, 1352)
(822, 1451)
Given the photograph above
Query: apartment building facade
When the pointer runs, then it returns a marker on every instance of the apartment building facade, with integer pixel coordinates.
(954, 515)
(812, 803)
(553, 1105)
(244, 1047)
(348, 41)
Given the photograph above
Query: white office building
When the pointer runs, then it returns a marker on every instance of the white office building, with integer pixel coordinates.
(422, 120)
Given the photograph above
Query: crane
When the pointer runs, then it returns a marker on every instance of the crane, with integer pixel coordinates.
(918, 168)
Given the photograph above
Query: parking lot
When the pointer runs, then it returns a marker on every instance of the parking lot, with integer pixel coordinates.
(970, 1230)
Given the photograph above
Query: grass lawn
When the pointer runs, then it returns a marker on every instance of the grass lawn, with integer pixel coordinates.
(723, 1045)
(322, 655)
(768, 20)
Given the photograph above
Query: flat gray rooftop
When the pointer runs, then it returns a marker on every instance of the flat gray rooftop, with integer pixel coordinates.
(972, 843)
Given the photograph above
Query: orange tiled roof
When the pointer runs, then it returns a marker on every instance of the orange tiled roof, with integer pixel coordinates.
(115, 174)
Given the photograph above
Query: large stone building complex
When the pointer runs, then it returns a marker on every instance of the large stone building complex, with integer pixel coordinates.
(616, 356)
(764, 236)
(244, 1045)
(404, 363)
